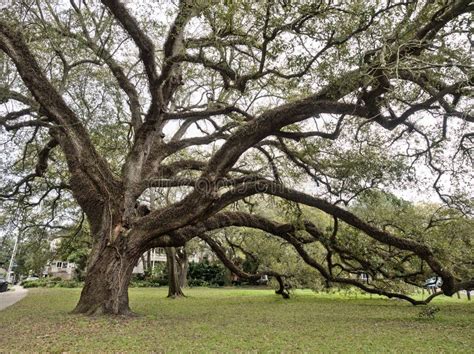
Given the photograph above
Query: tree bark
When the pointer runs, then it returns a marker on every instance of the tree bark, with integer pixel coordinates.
(174, 286)
(108, 277)
(148, 262)
(182, 258)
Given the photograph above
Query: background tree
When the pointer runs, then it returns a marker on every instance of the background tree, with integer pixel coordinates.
(74, 246)
(175, 275)
(306, 103)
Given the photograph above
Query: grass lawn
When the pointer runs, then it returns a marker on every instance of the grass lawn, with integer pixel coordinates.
(225, 320)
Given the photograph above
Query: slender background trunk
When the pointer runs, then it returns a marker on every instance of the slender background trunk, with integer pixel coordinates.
(182, 258)
(174, 285)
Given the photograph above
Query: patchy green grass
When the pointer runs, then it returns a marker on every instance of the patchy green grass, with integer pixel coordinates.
(226, 320)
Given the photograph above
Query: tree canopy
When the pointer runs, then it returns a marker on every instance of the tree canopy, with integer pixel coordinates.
(162, 122)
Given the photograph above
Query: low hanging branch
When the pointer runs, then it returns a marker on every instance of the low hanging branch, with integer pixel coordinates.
(220, 252)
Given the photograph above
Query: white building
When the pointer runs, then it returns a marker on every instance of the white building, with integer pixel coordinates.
(157, 256)
(66, 270)
(62, 269)
(59, 268)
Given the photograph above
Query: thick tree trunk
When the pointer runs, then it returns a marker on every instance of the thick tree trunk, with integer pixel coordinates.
(174, 288)
(106, 284)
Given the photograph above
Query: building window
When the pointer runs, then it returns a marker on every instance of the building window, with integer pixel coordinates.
(64, 264)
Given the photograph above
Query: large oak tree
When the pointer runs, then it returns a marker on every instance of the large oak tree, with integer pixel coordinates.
(307, 103)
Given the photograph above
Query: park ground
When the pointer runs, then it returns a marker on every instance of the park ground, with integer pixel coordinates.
(235, 320)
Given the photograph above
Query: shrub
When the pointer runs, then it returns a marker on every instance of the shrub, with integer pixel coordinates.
(51, 283)
(155, 279)
(69, 284)
(197, 282)
(31, 284)
(206, 274)
(152, 283)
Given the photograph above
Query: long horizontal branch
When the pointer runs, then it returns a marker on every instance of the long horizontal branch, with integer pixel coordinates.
(219, 251)
(284, 231)
(272, 188)
(207, 113)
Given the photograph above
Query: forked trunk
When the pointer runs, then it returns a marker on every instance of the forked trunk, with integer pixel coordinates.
(106, 284)
(174, 286)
